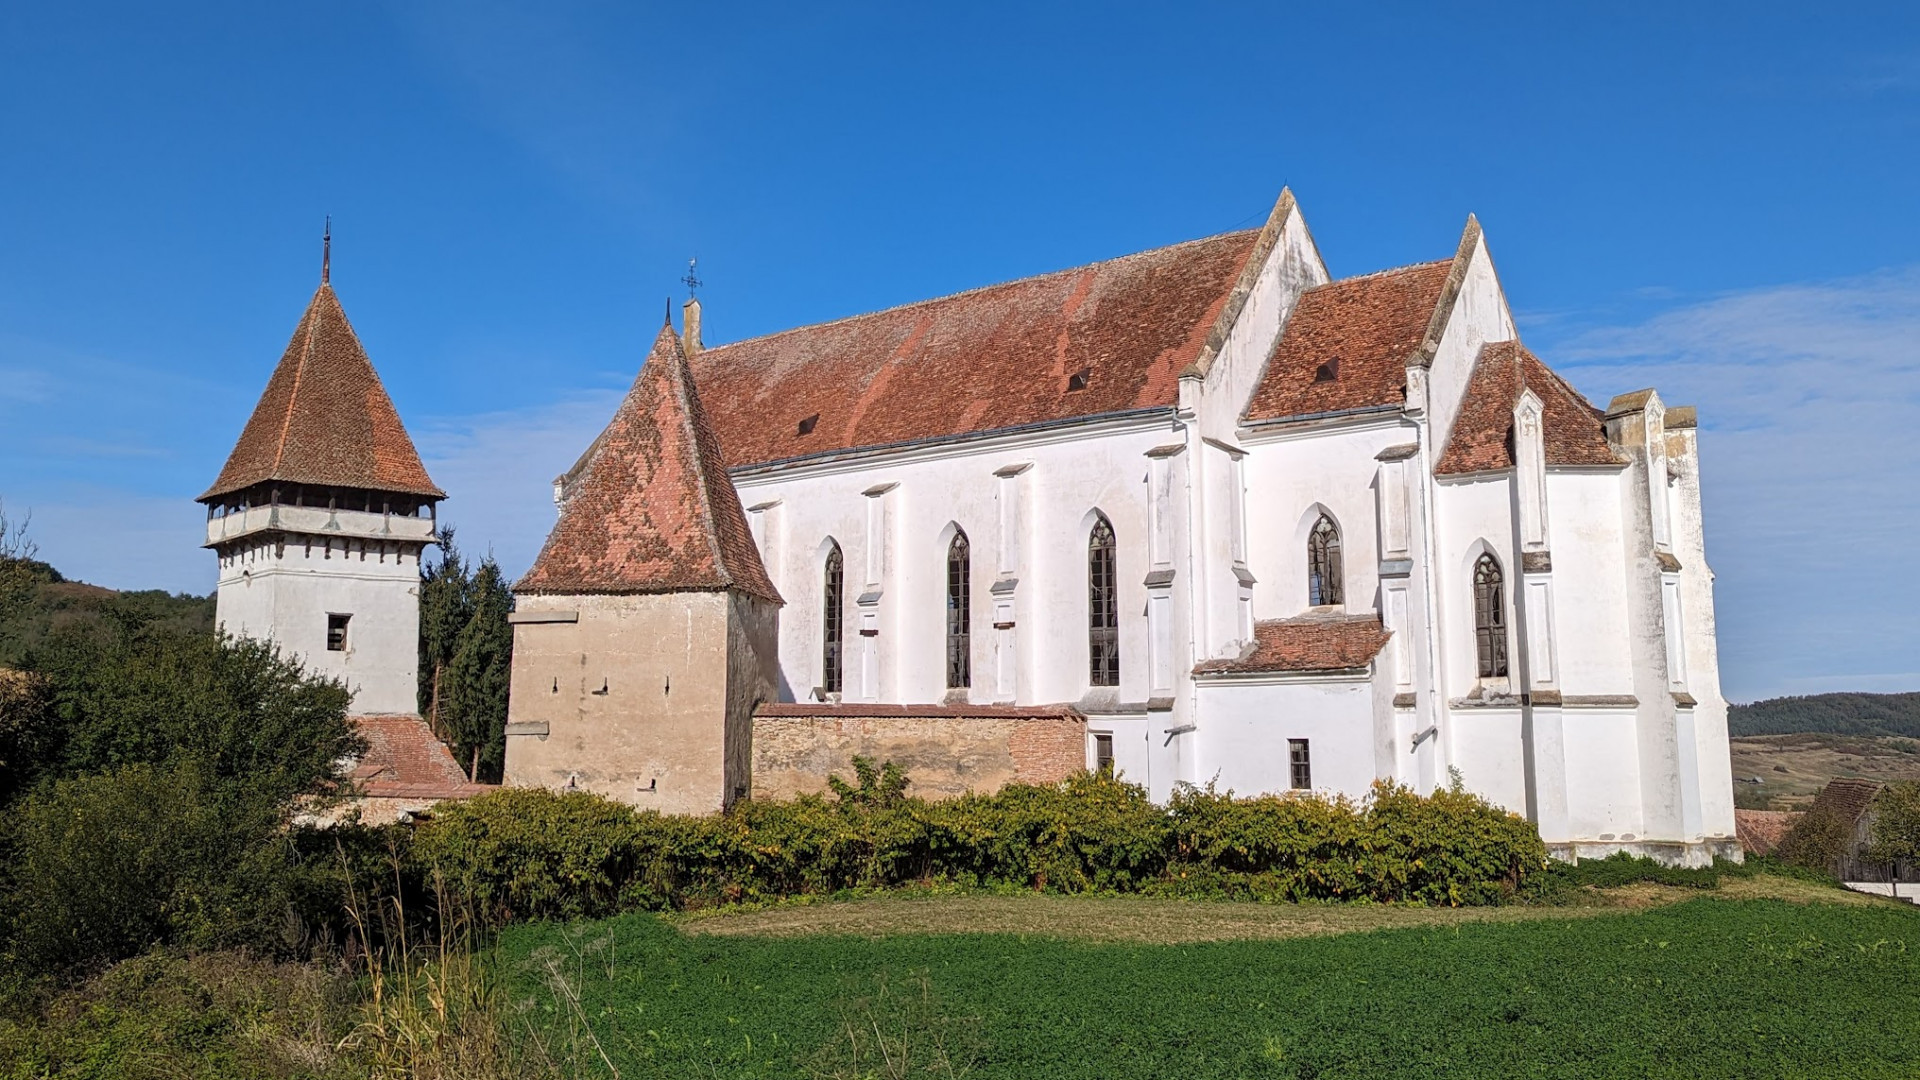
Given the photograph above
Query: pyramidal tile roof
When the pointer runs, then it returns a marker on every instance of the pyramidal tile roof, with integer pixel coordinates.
(652, 508)
(324, 418)
(1482, 436)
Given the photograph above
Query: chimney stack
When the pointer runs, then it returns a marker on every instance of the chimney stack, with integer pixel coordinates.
(690, 336)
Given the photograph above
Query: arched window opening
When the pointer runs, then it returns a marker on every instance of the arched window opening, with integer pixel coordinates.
(959, 635)
(1323, 563)
(1489, 617)
(1103, 608)
(831, 623)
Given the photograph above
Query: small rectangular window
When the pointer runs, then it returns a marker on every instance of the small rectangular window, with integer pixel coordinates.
(337, 633)
(1103, 754)
(1301, 764)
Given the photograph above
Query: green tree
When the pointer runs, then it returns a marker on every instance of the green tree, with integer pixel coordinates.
(474, 690)
(18, 573)
(1895, 839)
(446, 607)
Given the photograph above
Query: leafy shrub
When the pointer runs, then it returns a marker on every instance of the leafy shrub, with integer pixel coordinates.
(531, 854)
(108, 865)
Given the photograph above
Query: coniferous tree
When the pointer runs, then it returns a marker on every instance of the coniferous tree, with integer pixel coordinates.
(446, 606)
(474, 688)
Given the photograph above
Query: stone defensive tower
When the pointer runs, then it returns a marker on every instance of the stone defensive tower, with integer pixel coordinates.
(320, 516)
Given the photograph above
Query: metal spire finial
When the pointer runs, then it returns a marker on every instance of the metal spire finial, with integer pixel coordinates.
(326, 251)
(669, 320)
(692, 281)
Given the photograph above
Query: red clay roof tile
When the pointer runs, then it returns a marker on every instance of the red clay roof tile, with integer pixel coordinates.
(324, 418)
(1313, 642)
(1482, 438)
(404, 760)
(864, 711)
(997, 357)
(652, 509)
(1364, 329)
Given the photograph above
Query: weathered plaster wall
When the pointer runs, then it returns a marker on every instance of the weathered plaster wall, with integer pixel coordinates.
(630, 700)
(943, 756)
(283, 592)
(1247, 722)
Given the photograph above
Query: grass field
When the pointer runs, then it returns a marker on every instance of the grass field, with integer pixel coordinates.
(1738, 983)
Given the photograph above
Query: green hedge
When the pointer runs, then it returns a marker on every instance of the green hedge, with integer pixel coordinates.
(526, 853)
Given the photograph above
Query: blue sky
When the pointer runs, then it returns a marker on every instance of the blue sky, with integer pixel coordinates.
(1720, 202)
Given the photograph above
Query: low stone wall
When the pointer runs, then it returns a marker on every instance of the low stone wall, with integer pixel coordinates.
(946, 750)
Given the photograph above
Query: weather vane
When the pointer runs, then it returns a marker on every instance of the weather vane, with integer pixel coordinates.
(691, 281)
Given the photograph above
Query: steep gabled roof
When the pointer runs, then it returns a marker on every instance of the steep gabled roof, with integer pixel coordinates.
(652, 509)
(1314, 642)
(997, 357)
(324, 418)
(1364, 331)
(1482, 438)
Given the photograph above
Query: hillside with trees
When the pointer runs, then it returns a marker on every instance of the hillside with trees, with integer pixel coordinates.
(1887, 715)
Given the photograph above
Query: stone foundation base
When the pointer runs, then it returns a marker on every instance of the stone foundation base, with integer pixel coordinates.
(1670, 852)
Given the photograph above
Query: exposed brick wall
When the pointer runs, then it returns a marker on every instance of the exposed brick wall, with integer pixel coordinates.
(946, 751)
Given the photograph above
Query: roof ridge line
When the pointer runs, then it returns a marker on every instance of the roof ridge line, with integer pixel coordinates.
(1371, 274)
(683, 375)
(1470, 238)
(977, 289)
(299, 372)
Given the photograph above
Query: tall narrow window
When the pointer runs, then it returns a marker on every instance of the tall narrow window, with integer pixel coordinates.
(1300, 764)
(1490, 617)
(830, 622)
(1103, 608)
(959, 634)
(1323, 563)
(1103, 754)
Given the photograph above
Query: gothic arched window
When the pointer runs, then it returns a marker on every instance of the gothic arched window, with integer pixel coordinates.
(1103, 608)
(1323, 563)
(959, 636)
(830, 620)
(1489, 617)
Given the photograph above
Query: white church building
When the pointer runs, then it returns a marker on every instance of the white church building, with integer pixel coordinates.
(1262, 528)
(1218, 517)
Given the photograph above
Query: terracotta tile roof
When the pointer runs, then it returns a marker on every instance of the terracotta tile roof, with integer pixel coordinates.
(996, 357)
(1314, 642)
(1366, 329)
(862, 711)
(1760, 831)
(1482, 438)
(652, 509)
(404, 761)
(324, 418)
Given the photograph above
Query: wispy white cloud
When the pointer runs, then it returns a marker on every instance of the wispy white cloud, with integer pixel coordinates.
(498, 468)
(1809, 400)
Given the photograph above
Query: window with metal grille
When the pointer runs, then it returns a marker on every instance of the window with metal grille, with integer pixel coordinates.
(1103, 608)
(830, 621)
(337, 632)
(1300, 763)
(1103, 754)
(959, 632)
(1323, 563)
(1490, 617)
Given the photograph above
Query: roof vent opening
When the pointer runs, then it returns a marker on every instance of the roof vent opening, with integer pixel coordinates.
(807, 425)
(1077, 381)
(1327, 372)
